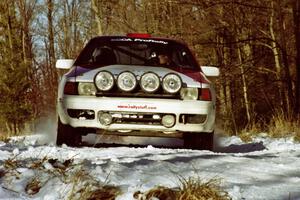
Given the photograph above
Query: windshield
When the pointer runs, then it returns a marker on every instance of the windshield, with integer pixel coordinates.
(126, 51)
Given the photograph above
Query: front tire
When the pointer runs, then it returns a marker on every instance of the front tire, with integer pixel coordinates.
(200, 141)
(68, 135)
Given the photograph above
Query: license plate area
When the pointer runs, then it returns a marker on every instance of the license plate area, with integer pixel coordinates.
(136, 118)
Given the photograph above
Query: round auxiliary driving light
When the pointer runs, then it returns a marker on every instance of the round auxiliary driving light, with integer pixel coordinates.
(149, 82)
(105, 118)
(126, 81)
(104, 81)
(172, 83)
(168, 120)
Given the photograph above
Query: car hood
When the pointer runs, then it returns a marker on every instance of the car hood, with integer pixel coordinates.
(191, 78)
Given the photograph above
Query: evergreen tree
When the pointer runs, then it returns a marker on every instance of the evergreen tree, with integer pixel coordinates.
(14, 83)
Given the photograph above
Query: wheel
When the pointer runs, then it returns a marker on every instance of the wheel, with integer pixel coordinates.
(68, 135)
(201, 141)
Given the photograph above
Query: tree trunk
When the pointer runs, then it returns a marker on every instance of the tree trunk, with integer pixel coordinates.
(53, 76)
(226, 99)
(98, 14)
(9, 28)
(51, 49)
(286, 74)
(244, 84)
(276, 53)
(296, 16)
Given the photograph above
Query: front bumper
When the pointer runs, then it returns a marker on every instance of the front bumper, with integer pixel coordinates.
(138, 106)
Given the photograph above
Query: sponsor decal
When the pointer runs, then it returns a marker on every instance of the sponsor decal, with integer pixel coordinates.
(138, 40)
(122, 40)
(150, 40)
(138, 107)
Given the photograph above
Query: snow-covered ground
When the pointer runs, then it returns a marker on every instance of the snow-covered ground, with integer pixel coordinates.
(264, 169)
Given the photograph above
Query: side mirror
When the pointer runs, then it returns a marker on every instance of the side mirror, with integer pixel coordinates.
(64, 63)
(210, 71)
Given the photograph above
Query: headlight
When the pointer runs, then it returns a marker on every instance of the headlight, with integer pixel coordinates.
(172, 83)
(86, 89)
(126, 81)
(104, 81)
(149, 82)
(189, 93)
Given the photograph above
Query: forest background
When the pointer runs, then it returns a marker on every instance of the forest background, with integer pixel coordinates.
(255, 44)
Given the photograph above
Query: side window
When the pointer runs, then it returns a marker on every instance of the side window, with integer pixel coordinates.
(104, 56)
(182, 58)
(188, 59)
(185, 58)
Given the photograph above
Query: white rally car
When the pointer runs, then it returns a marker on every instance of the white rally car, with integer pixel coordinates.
(136, 85)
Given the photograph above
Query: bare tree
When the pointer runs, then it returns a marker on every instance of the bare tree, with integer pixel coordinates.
(296, 17)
